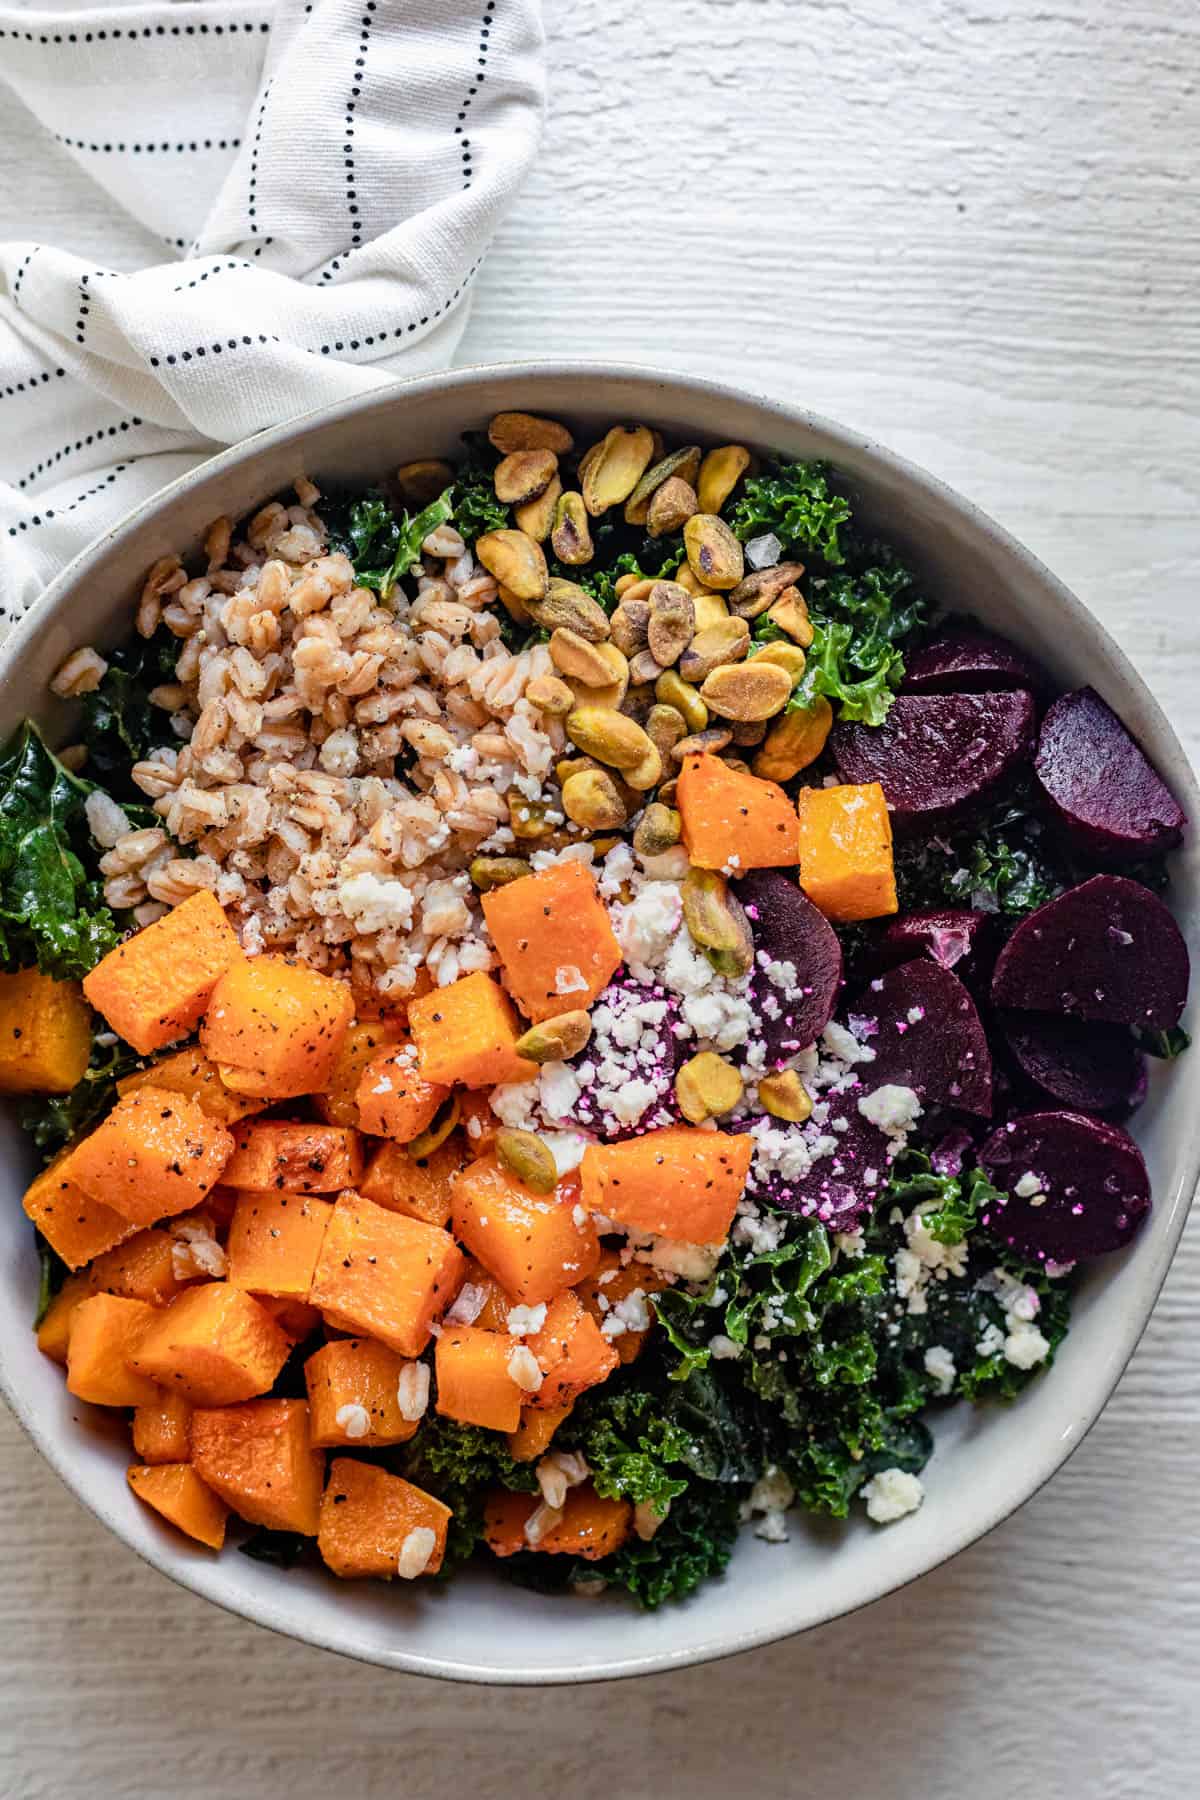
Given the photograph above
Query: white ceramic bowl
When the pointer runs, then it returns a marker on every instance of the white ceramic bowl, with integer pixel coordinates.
(987, 1462)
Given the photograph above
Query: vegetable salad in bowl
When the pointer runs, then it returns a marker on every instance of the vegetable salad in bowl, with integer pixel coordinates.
(569, 1010)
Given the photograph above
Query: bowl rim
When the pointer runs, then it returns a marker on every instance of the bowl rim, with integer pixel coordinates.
(1172, 1210)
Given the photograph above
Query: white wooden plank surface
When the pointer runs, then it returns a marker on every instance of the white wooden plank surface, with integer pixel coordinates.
(971, 231)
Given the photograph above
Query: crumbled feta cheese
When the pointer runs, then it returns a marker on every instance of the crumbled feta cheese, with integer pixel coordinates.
(412, 1391)
(940, 1367)
(992, 1341)
(852, 1244)
(892, 1108)
(891, 1495)
(844, 1045)
(648, 926)
(353, 1419)
(376, 903)
(1025, 1346)
(922, 1259)
(524, 1368)
(691, 1262)
(558, 1090)
(1028, 1185)
(770, 1496)
(631, 1314)
(415, 1552)
(566, 1147)
(723, 1348)
(526, 1321)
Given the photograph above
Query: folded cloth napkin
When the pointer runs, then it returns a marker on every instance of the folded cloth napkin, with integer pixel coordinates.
(300, 196)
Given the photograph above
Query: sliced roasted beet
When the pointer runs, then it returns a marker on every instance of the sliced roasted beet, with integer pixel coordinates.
(1107, 949)
(798, 962)
(928, 1037)
(957, 937)
(1109, 798)
(936, 753)
(1083, 1063)
(1075, 1186)
(969, 662)
(839, 1188)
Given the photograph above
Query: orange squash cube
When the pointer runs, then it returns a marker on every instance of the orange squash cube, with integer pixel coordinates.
(611, 1284)
(678, 1183)
(154, 1155)
(189, 1072)
(259, 1458)
(366, 1039)
(590, 1526)
(76, 1227)
(394, 1099)
(465, 1034)
(534, 1244)
(295, 1318)
(45, 1034)
(478, 1122)
(368, 1522)
(275, 1028)
(54, 1332)
(104, 1331)
(153, 988)
(734, 821)
(384, 1275)
(418, 1186)
(572, 1353)
(553, 935)
(846, 863)
(162, 1430)
(294, 1158)
(489, 1305)
(142, 1268)
(214, 1344)
(275, 1241)
(473, 1382)
(533, 1435)
(177, 1492)
(352, 1378)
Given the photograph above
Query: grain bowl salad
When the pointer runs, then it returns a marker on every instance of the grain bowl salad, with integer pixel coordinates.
(568, 1010)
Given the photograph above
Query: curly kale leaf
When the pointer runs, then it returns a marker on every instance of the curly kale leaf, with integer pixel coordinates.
(459, 1464)
(384, 547)
(54, 1120)
(51, 913)
(693, 1544)
(53, 1271)
(601, 583)
(795, 502)
(859, 623)
(1000, 862)
(120, 726)
(960, 1198)
(279, 1549)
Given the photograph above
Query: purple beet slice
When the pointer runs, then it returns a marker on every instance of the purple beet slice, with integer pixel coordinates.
(969, 662)
(798, 962)
(1084, 1064)
(1107, 949)
(1109, 799)
(935, 754)
(957, 937)
(840, 1188)
(1075, 1187)
(928, 1037)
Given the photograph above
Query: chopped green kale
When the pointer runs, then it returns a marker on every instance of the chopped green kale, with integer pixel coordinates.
(384, 547)
(52, 1120)
(120, 726)
(795, 503)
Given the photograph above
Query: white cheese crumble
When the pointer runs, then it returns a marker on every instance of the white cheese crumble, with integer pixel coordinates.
(353, 1419)
(891, 1495)
(691, 1262)
(648, 925)
(569, 979)
(631, 1314)
(940, 1367)
(415, 1552)
(770, 1497)
(723, 1348)
(892, 1108)
(1028, 1185)
(523, 1368)
(412, 1391)
(469, 1302)
(376, 903)
(526, 1321)
(923, 1259)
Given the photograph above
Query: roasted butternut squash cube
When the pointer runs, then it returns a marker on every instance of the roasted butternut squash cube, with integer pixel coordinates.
(154, 1155)
(534, 1244)
(613, 1284)
(45, 1034)
(142, 1268)
(54, 1331)
(534, 1434)
(420, 1186)
(162, 1429)
(275, 1027)
(295, 1318)
(572, 1353)
(275, 1241)
(465, 1034)
(293, 1157)
(190, 1072)
(590, 1527)
(477, 1121)
(353, 1395)
(177, 1492)
(384, 1275)
(154, 987)
(394, 1099)
(76, 1227)
(679, 1183)
(734, 821)
(373, 1523)
(846, 864)
(473, 1382)
(553, 935)
(259, 1458)
(364, 1041)
(214, 1344)
(104, 1330)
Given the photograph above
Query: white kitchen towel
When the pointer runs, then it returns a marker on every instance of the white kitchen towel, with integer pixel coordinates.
(301, 195)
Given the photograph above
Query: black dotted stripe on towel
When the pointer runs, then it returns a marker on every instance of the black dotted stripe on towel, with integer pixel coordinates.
(83, 443)
(149, 149)
(16, 293)
(147, 31)
(52, 513)
(360, 64)
(399, 331)
(31, 383)
(252, 201)
(223, 268)
(460, 130)
(200, 351)
(81, 319)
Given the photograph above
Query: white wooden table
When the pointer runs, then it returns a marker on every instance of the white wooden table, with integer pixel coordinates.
(972, 232)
